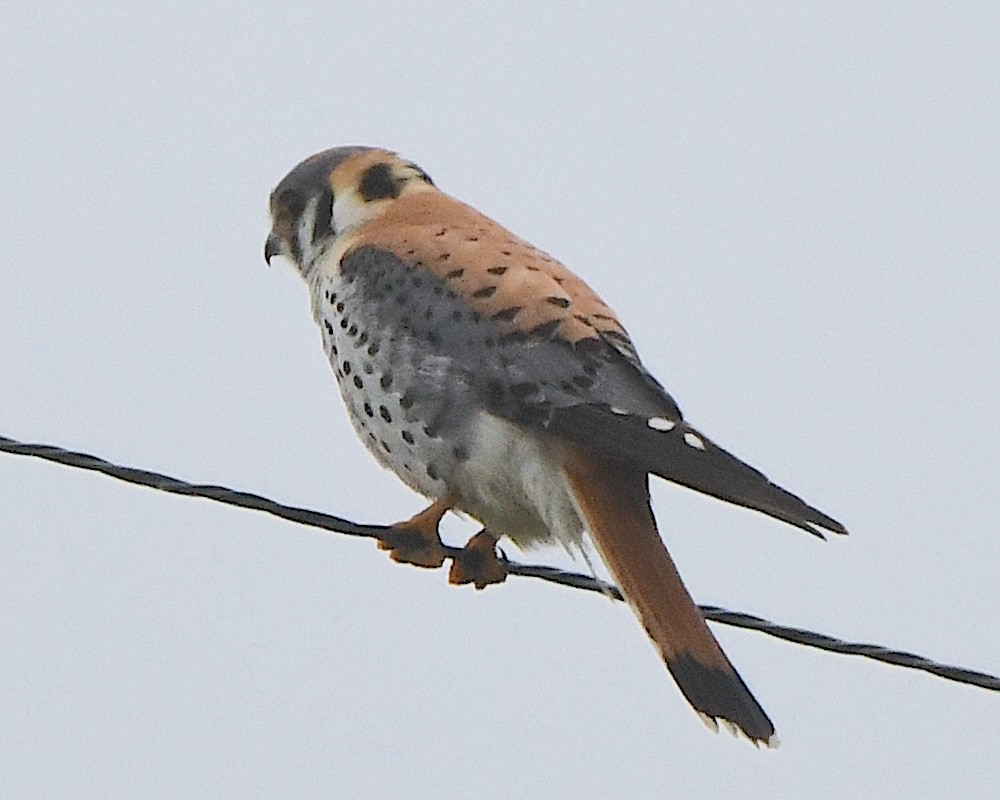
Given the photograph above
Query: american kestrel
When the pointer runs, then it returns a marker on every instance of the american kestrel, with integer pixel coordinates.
(495, 382)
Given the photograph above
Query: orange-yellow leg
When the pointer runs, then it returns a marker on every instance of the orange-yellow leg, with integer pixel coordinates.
(477, 563)
(417, 539)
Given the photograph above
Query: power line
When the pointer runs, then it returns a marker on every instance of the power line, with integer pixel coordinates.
(328, 522)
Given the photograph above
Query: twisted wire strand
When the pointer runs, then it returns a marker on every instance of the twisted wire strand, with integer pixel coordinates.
(328, 522)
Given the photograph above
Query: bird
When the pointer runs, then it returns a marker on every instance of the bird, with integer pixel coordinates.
(496, 383)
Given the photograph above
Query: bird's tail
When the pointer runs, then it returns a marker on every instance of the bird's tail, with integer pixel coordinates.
(613, 500)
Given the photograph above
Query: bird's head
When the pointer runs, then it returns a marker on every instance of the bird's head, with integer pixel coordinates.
(334, 192)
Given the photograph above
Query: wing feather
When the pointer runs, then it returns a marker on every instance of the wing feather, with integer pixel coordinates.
(537, 346)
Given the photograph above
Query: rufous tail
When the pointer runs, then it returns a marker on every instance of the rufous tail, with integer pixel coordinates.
(613, 499)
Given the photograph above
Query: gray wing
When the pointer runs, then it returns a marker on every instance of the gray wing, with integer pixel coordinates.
(595, 393)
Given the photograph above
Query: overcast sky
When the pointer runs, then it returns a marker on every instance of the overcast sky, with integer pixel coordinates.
(793, 207)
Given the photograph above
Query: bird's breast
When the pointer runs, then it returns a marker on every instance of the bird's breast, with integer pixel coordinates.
(419, 410)
(404, 403)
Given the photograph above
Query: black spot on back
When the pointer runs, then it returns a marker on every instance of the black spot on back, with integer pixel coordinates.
(546, 329)
(508, 314)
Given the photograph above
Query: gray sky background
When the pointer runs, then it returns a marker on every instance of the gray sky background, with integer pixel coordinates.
(793, 207)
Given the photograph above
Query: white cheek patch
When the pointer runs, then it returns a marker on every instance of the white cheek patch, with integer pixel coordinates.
(349, 210)
(305, 230)
(694, 441)
(661, 423)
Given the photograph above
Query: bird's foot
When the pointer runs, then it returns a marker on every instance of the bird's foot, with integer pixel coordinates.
(416, 541)
(477, 563)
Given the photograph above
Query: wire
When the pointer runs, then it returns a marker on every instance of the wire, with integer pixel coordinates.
(328, 522)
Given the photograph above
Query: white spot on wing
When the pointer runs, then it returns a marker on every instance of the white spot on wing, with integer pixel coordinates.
(694, 440)
(661, 423)
(619, 411)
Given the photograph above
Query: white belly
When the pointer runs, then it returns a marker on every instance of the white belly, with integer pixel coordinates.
(514, 486)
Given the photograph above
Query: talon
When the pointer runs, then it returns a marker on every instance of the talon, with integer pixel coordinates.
(416, 541)
(477, 563)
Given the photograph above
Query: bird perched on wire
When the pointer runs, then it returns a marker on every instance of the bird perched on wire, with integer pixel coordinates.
(494, 381)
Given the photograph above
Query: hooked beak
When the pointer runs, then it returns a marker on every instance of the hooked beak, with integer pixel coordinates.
(272, 247)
